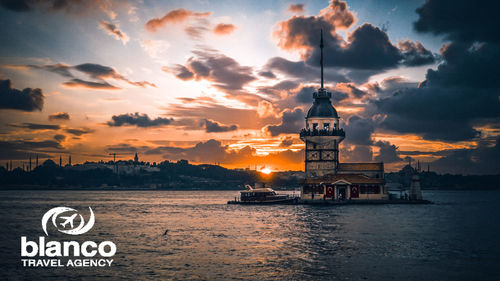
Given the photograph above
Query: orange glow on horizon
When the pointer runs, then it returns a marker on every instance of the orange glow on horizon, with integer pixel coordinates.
(266, 171)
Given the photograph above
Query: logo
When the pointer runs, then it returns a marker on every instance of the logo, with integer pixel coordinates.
(66, 253)
(54, 214)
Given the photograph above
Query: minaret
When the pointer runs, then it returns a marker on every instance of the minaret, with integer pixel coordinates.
(69, 160)
(60, 161)
(322, 134)
(136, 159)
(36, 161)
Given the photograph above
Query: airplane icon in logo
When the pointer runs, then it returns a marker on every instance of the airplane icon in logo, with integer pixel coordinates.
(68, 220)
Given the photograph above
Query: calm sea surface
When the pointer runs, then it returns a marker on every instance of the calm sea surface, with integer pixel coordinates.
(457, 238)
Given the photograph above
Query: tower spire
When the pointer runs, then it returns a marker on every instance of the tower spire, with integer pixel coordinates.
(321, 60)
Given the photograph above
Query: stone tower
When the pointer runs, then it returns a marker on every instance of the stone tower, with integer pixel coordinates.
(322, 134)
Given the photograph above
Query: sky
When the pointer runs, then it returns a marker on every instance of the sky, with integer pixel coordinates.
(230, 82)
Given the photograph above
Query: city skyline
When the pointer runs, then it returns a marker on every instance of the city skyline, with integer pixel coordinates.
(214, 82)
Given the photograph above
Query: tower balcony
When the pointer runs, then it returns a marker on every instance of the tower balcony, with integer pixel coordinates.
(313, 133)
(322, 136)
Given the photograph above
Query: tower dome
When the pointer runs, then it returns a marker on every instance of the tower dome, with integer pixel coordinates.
(322, 106)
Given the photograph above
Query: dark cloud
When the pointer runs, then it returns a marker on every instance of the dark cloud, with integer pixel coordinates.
(59, 137)
(462, 93)
(454, 98)
(174, 16)
(59, 116)
(78, 131)
(114, 30)
(34, 126)
(482, 160)
(286, 142)
(359, 131)
(304, 95)
(245, 118)
(388, 153)
(122, 148)
(67, 6)
(216, 127)
(291, 122)
(302, 71)
(95, 71)
(460, 20)
(357, 153)
(415, 54)
(224, 28)
(15, 150)
(79, 83)
(26, 100)
(267, 74)
(98, 71)
(367, 47)
(296, 8)
(139, 120)
(223, 72)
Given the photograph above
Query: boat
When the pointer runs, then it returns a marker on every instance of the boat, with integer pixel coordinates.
(262, 195)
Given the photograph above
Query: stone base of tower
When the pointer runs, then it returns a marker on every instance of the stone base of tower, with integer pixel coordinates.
(351, 181)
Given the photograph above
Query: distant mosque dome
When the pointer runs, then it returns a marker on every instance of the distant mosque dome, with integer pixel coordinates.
(322, 106)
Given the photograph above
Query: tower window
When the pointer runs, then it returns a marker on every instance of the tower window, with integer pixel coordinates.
(326, 126)
(315, 126)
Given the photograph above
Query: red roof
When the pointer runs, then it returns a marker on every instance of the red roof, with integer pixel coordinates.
(361, 166)
(351, 178)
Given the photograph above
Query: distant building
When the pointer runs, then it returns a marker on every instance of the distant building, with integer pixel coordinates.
(327, 178)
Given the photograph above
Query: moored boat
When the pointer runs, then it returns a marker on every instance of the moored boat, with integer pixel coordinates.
(263, 195)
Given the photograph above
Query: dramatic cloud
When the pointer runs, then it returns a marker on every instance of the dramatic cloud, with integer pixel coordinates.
(59, 116)
(114, 30)
(25, 100)
(16, 150)
(301, 70)
(415, 54)
(286, 142)
(223, 72)
(291, 123)
(482, 160)
(34, 126)
(174, 16)
(387, 153)
(460, 20)
(359, 131)
(95, 71)
(216, 127)
(139, 120)
(367, 47)
(296, 8)
(68, 6)
(122, 148)
(224, 28)
(78, 83)
(78, 131)
(460, 94)
(59, 137)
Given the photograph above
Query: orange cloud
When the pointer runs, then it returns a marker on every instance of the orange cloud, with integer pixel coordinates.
(113, 30)
(224, 28)
(174, 16)
(296, 8)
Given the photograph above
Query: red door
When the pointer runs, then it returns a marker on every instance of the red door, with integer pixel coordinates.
(329, 191)
(354, 191)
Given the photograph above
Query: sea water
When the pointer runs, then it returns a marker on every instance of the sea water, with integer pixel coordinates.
(184, 235)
